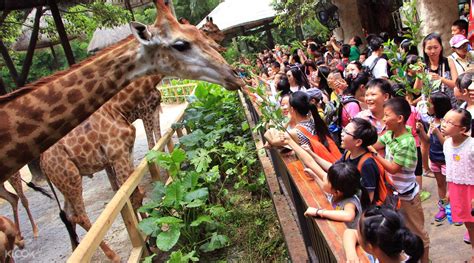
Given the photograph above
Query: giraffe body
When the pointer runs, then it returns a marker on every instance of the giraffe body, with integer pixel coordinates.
(35, 117)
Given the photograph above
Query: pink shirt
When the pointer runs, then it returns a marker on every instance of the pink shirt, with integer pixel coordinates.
(411, 122)
(378, 124)
(349, 111)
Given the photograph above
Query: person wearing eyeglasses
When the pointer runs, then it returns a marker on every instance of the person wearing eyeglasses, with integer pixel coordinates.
(459, 152)
(464, 85)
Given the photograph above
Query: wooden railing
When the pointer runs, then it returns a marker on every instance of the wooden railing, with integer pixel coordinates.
(322, 238)
(121, 203)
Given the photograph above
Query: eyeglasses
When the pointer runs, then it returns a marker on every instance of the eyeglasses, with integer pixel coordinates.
(450, 123)
(346, 132)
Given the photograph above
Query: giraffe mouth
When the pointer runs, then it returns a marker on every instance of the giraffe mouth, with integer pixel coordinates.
(234, 82)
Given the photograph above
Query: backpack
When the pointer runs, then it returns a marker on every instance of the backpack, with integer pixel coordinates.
(331, 155)
(370, 70)
(335, 127)
(387, 194)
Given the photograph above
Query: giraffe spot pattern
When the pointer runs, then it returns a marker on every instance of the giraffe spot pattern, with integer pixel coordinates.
(73, 96)
(25, 129)
(58, 110)
(69, 81)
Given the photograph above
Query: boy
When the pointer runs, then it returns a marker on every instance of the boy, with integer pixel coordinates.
(460, 27)
(400, 162)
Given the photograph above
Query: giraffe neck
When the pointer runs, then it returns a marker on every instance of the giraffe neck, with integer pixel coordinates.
(128, 99)
(32, 122)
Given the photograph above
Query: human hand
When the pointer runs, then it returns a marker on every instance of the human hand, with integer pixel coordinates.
(420, 128)
(311, 211)
(309, 173)
(371, 149)
(435, 76)
(306, 148)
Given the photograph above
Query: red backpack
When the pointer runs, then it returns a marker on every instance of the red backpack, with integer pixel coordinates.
(331, 155)
(387, 194)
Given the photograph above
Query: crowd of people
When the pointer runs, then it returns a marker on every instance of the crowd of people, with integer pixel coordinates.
(357, 132)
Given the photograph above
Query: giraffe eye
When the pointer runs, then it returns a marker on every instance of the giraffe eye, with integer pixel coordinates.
(181, 45)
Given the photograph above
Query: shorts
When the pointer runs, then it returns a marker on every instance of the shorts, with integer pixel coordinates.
(437, 167)
(419, 162)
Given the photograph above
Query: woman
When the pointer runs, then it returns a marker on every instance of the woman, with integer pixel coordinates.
(311, 72)
(297, 79)
(438, 66)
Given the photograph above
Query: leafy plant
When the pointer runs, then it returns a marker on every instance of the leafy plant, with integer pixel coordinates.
(397, 60)
(217, 156)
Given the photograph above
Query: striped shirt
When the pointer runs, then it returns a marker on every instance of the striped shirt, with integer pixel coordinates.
(402, 151)
(309, 126)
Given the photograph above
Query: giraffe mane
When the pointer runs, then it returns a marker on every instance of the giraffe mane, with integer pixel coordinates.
(45, 80)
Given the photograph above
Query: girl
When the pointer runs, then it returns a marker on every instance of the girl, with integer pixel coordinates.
(352, 97)
(341, 183)
(378, 91)
(461, 58)
(311, 72)
(438, 105)
(381, 233)
(459, 152)
(311, 129)
(285, 108)
(439, 67)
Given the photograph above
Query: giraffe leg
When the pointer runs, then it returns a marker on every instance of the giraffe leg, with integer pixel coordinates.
(123, 167)
(148, 123)
(13, 200)
(15, 181)
(156, 122)
(65, 176)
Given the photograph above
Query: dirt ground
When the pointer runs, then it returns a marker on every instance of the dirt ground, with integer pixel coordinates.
(53, 243)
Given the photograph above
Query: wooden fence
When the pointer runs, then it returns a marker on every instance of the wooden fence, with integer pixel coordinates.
(121, 203)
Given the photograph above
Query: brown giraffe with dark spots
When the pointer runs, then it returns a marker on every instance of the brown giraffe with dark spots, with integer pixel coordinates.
(104, 141)
(15, 181)
(212, 30)
(9, 237)
(51, 110)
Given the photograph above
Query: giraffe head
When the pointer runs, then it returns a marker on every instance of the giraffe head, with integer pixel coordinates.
(180, 50)
(212, 31)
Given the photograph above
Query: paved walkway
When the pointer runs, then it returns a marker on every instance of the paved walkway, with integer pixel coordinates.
(446, 240)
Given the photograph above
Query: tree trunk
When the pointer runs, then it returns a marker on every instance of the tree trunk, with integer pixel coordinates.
(3, 91)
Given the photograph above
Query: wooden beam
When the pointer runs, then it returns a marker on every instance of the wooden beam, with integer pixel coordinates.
(9, 63)
(62, 32)
(31, 48)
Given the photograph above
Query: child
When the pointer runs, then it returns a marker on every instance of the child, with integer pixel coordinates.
(341, 183)
(382, 233)
(400, 162)
(459, 152)
(356, 137)
(438, 105)
(461, 92)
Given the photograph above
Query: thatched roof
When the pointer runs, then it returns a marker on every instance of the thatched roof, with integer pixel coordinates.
(231, 15)
(103, 38)
(43, 40)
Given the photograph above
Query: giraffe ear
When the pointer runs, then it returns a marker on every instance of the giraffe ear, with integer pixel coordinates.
(141, 33)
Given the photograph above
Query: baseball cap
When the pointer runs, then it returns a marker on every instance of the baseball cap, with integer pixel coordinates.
(315, 93)
(458, 40)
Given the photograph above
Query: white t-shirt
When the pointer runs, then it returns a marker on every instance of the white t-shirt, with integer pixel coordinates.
(380, 69)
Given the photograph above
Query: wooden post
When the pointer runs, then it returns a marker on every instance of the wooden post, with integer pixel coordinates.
(131, 223)
(31, 48)
(179, 132)
(154, 172)
(170, 145)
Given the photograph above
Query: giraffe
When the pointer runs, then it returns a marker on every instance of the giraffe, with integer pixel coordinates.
(212, 30)
(148, 110)
(35, 117)
(9, 237)
(15, 181)
(104, 141)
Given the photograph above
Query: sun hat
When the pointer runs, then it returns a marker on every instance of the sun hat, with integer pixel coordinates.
(458, 40)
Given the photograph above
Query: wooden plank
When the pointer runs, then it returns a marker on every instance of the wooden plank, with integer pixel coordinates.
(131, 223)
(136, 255)
(154, 172)
(95, 235)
